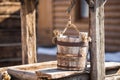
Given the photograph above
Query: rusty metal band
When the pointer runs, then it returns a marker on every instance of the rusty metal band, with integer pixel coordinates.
(75, 44)
(68, 55)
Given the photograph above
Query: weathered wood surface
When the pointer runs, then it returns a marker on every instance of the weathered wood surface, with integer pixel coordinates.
(29, 69)
(23, 75)
(97, 34)
(9, 7)
(28, 23)
(54, 73)
(113, 77)
(72, 57)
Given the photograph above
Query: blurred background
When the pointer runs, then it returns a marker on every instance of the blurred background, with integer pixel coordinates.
(51, 14)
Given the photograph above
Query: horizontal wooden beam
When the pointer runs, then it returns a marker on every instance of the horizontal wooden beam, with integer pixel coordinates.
(29, 69)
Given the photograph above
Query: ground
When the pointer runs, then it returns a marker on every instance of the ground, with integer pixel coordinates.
(45, 57)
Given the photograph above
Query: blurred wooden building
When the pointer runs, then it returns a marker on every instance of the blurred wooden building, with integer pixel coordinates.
(10, 33)
(51, 14)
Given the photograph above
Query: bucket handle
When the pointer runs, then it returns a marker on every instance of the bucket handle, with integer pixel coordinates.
(69, 24)
(58, 33)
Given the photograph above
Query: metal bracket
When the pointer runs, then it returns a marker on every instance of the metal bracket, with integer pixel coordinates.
(36, 3)
(22, 2)
(104, 2)
(91, 4)
(73, 2)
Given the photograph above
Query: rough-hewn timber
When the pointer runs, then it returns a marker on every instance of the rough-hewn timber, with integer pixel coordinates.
(112, 70)
(97, 35)
(28, 23)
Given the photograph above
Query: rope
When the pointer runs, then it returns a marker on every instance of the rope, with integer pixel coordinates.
(69, 24)
(73, 2)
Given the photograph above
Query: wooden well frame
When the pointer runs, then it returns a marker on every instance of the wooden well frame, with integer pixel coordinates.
(96, 30)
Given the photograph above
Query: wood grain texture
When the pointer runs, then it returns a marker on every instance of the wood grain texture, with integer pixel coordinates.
(56, 74)
(9, 7)
(72, 57)
(28, 23)
(97, 44)
(113, 77)
(28, 69)
(22, 75)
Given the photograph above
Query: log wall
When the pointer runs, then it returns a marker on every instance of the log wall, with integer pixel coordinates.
(55, 18)
(10, 33)
(112, 21)
(112, 25)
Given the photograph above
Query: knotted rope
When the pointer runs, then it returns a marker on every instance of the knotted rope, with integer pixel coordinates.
(69, 24)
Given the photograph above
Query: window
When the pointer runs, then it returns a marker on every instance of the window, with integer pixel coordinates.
(84, 9)
(81, 11)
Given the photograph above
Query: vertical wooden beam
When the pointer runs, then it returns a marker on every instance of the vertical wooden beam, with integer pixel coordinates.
(96, 9)
(28, 23)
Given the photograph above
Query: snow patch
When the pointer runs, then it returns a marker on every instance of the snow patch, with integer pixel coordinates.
(114, 57)
(111, 57)
(49, 51)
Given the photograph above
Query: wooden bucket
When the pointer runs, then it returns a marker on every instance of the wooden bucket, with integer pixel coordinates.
(72, 51)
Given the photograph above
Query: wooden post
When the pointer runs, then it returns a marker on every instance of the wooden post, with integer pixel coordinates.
(28, 28)
(96, 8)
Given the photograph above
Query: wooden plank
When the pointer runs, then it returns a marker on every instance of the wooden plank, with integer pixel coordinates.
(113, 77)
(61, 2)
(112, 15)
(10, 44)
(9, 36)
(113, 41)
(45, 23)
(111, 28)
(113, 2)
(97, 44)
(112, 48)
(113, 21)
(7, 52)
(29, 69)
(9, 16)
(113, 34)
(7, 3)
(61, 8)
(28, 23)
(112, 7)
(13, 21)
(54, 73)
(10, 60)
(22, 75)
(9, 7)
